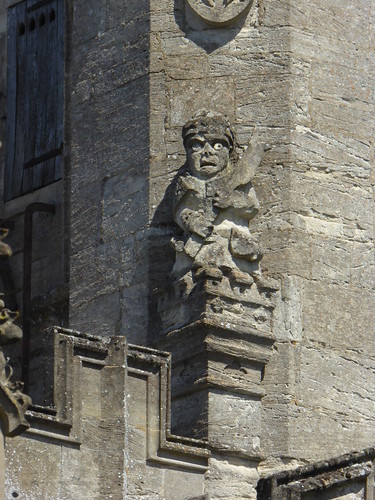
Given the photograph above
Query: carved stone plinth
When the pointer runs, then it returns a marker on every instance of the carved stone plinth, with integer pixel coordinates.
(219, 351)
(231, 304)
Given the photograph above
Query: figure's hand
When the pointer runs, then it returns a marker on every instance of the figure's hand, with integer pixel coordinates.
(243, 245)
(236, 199)
(195, 222)
(220, 201)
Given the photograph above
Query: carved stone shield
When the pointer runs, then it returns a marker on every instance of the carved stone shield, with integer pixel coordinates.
(219, 11)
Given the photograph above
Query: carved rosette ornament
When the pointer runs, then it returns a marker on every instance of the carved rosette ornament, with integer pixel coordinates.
(13, 403)
(219, 11)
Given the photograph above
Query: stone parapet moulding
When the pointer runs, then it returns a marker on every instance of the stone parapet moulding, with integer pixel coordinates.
(74, 351)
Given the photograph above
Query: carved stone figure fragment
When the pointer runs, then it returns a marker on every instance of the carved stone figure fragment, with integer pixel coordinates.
(13, 402)
(216, 275)
(214, 202)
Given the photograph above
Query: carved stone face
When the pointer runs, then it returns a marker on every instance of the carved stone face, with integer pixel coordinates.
(206, 155)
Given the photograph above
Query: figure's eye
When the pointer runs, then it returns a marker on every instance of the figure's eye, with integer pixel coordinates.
(218, 146)
(196, 145)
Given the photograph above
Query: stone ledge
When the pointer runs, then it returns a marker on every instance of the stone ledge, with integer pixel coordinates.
(317, 477)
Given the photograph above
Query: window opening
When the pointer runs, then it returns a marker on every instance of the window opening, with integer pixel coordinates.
(35, 93)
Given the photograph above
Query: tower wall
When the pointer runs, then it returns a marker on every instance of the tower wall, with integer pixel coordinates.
(300, 73)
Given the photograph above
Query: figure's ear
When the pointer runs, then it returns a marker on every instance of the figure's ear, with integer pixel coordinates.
(249, 162)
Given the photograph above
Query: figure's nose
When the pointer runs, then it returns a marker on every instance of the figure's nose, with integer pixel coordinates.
(208, 148)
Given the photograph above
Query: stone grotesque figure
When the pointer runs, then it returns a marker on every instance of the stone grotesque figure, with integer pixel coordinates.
(214, 202)
(9, 332)
(13, 403)
(216, 278)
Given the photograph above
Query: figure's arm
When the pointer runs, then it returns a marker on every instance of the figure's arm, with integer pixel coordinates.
(237, 193)
(248, 164)
(245, 204)
(195, 222)
(187, 212)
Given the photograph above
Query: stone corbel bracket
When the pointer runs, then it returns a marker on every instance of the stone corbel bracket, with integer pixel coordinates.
(224, 337)
(220, 357)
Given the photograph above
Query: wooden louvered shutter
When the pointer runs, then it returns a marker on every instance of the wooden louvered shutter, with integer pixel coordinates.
(35, 96)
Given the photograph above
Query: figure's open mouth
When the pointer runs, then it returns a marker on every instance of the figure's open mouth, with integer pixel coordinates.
(208, 163)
